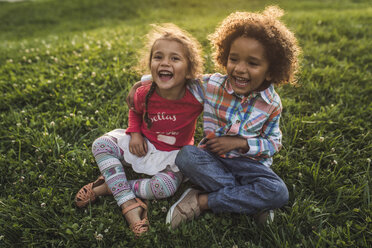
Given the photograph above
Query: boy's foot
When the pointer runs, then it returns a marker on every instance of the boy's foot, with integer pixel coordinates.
(186, 208)
(264, 217)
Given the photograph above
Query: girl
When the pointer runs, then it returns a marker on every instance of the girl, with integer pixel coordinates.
(241, 121)
(163, 121)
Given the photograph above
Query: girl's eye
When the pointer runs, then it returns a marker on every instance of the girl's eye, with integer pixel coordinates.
(175, 58)
(253, 63)
(233, 59)
(157, 57)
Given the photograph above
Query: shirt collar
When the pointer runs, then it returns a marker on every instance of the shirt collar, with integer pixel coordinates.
(267, 94)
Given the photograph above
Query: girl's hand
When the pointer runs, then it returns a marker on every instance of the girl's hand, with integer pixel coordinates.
(224, 144)
(137, 145)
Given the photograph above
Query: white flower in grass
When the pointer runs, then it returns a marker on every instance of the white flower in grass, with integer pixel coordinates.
(27, 51)
(52, 123)
(19, 124)
(24, 58)
(94, 74)
(321, 139)
(368, 160)
(29, 61)
(96, 112)
(56, 60)
(49, 81)
(21, 179)
(45, 133)
(1, 237)
(41, 177)
(333, 149)
(77, 68)
(86, 60)
(334, 162)
(72, 114)
(43, 205)
(98, 236)
(106, 230)
(9, 61)
(164, 209)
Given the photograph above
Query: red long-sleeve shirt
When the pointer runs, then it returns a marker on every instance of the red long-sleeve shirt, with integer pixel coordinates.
(173, 121)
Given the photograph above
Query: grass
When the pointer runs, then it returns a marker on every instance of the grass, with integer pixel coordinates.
(65, 69)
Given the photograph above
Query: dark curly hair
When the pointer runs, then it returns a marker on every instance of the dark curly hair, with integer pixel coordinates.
(282, 50)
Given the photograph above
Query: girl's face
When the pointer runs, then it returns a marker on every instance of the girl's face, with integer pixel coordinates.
(169, 68)
(247, 66)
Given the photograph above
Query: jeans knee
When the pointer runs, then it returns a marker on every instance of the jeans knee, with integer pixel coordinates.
(184, 157)
(281, 195)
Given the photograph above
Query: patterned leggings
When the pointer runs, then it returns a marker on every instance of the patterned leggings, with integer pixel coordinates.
(108, 156)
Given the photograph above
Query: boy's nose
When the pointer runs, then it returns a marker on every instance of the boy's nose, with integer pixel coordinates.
(241, 68)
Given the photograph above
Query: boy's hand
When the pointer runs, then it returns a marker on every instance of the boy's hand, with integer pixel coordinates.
(130, 96)
(224, 144)
(137, 145)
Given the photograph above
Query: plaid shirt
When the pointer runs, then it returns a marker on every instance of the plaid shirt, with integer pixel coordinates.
(255, 117)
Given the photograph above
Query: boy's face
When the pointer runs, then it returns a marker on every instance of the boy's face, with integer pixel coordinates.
(169, 67)
(247, 66)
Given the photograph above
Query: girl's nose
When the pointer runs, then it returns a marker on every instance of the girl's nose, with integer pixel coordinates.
(165, 62)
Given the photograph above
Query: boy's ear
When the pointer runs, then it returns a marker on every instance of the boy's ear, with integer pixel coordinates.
(268, 76)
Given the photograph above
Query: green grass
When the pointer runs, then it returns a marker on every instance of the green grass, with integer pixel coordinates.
(65, 69)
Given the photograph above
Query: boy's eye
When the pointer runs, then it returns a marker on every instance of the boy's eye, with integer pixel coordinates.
(175, 58)
(253, 63)
(157, 57)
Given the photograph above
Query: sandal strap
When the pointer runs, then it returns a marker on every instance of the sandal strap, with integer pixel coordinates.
(138, 203)
(140, 227)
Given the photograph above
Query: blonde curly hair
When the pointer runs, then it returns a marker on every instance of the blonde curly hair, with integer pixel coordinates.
(169, 31)
(282, 50)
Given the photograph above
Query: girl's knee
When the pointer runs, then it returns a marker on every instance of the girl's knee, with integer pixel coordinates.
(164, 185)
(104, 144)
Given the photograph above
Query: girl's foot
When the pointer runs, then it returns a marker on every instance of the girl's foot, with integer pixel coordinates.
(89, 192)
(135, 212)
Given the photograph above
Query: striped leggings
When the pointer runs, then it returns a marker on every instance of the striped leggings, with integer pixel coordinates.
(108, 156)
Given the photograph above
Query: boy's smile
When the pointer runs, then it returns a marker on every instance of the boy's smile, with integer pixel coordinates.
(247, 66)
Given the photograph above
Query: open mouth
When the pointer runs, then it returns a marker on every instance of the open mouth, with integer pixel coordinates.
(165, 75)
(241, 82)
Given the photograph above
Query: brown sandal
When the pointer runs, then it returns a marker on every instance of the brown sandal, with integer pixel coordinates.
(141, 226)
(86, 193)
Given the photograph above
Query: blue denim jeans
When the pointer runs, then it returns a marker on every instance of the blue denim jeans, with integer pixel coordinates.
(236, 185)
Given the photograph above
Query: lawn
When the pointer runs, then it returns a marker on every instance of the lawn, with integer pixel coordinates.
(65, 70)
